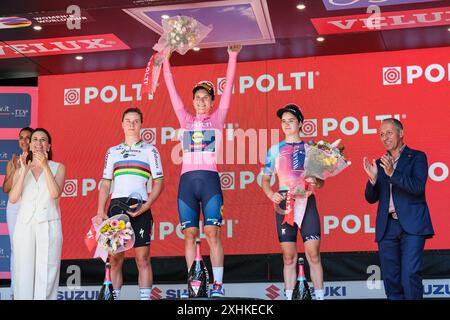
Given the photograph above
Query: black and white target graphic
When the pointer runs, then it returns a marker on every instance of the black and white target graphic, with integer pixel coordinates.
(148, 135)
(227, 180)
(309, 128)
(70, 188)
(392, 76)
(72, 97)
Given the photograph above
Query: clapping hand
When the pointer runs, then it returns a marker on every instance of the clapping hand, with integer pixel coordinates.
(387, 163)
(41, 158)
(23, 165)
(16, 164)
(371, 169)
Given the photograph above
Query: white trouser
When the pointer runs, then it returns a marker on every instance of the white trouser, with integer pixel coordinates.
(11, 218)
(37, 259)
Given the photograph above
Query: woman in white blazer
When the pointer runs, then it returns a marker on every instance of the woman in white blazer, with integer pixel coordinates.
(37, 240)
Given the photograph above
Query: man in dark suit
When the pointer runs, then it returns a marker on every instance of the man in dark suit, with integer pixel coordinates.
(397, 181)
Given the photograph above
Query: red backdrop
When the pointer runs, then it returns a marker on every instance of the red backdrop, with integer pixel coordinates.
(341, 97)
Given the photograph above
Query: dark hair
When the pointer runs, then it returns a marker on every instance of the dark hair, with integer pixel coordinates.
(26, 129)
(50, 153)
(395, 122)
(136, 110)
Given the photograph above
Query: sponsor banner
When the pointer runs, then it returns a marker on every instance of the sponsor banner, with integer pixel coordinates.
(3, 229)
(66, 45)
(335, 290)
(14, 22)
(15, 110)
(8, 148)
(3, 203)
(84, 111)
(350, 4)
(61, 17)
(18, 109)
(383, 21)
(5, 252)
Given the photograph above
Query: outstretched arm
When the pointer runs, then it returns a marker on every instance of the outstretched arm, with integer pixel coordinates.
(233, 52)
(177, 104)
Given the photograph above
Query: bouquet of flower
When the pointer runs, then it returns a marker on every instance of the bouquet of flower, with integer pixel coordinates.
(114, 235)
(324, 160)
(180, 33)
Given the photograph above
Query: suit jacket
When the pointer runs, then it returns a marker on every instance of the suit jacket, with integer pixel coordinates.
(408, 192)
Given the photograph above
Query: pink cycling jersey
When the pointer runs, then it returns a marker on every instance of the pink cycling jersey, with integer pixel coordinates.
(201, 135)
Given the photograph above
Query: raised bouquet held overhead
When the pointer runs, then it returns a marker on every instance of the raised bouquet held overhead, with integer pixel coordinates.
(180, 34)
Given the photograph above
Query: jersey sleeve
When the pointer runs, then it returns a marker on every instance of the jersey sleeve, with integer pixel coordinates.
(177, 103)
(108, 169)
(155, 164)
(224, 105)
(269, 168)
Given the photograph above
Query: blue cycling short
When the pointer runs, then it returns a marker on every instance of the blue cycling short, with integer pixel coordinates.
(200, 188)
(310, 228)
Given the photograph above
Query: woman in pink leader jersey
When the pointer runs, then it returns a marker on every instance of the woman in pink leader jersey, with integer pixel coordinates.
(201, 136)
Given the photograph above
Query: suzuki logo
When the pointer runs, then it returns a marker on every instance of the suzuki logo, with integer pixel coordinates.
(272, 292)
(156, 293)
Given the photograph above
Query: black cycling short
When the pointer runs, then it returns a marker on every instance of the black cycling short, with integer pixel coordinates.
(310, 228)
(142, 224)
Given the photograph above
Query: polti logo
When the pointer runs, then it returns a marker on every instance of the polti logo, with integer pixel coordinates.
(289, 81)
(227, 180)
(392, 76)
(156, 293)
(70, 188)
(72, 96)
(432, 73)
(148, 135)
(108, 94)
(348, 126)
(273, 292)
(309, 128)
